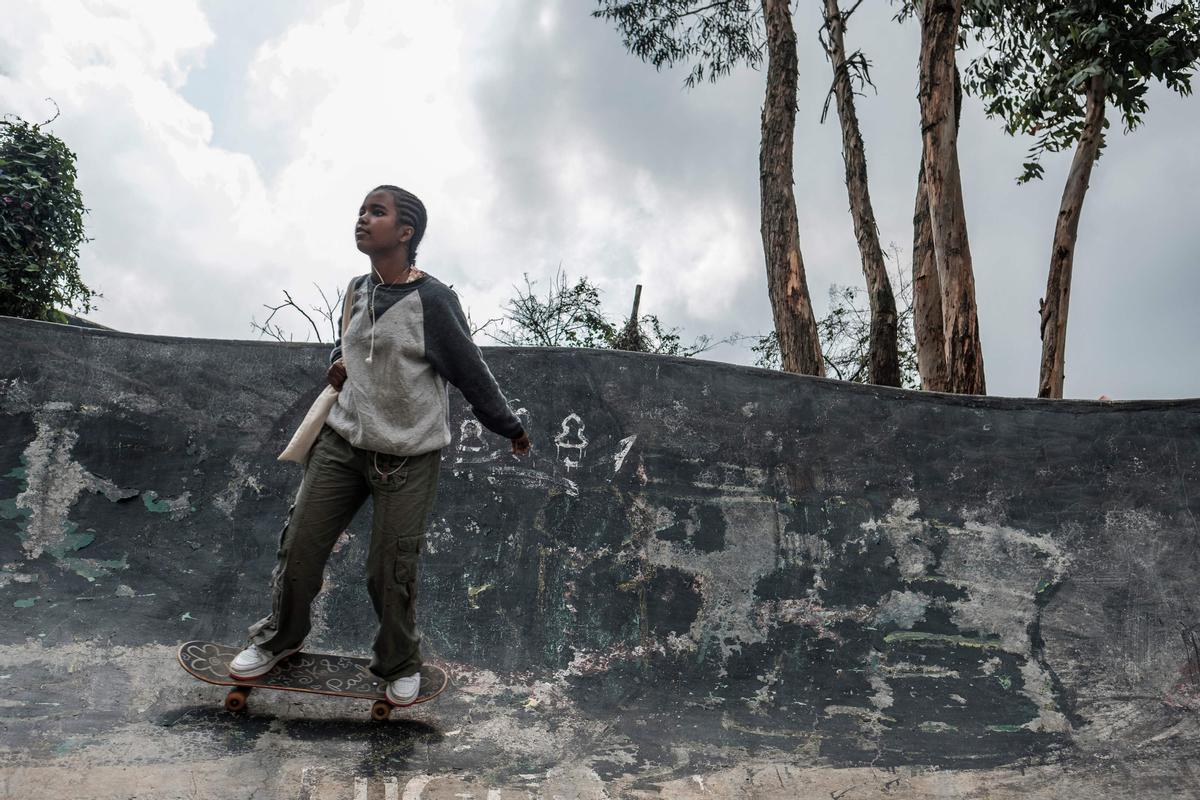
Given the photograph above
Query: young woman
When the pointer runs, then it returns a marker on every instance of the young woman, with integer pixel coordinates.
(407, 337)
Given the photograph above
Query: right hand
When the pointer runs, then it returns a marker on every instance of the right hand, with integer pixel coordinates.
(336, 374)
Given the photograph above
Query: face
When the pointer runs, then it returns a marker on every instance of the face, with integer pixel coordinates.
(376, 232)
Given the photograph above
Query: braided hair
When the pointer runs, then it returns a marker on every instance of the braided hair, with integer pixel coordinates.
(409, 211)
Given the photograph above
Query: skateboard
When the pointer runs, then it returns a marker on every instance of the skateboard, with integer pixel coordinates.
(316, 673)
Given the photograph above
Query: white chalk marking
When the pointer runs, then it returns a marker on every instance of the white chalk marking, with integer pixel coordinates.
(493, 794)
(571, 441)
(534, 479)
(413, 789)
(360, 789)
(470, 436)
(520, 412)
(626, 445)
(391, 788)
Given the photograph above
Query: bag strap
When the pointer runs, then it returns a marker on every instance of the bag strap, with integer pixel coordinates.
(347, 306)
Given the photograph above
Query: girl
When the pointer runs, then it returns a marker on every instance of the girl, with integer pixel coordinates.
(407, 337)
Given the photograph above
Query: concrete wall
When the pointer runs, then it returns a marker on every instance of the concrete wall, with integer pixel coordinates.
(736, 562)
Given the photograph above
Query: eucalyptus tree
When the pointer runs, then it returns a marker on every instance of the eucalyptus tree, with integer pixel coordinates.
(939, 192)
(1053, 69)
(713, 37)
(846, 334)
(883, 357)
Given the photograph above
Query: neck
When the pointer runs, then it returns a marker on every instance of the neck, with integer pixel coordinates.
(391, 267)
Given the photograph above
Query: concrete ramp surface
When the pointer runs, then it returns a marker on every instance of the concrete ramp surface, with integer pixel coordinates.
(705, 581)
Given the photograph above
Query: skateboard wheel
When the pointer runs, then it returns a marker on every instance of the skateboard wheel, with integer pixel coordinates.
(236, 699)
(381, 710)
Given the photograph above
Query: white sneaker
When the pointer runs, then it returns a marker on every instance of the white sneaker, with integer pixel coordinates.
(403, 691)
(254, 661)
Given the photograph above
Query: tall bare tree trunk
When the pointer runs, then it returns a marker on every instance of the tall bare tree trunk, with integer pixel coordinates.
(1062, 255)
(630, 337)
(795, 323)
(927, 297)
(947, 217)
(883, 364)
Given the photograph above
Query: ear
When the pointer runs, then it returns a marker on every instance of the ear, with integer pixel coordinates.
(407, 232)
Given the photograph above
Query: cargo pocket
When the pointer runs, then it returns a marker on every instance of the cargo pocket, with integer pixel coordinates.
(281, 560)
(406, 571)
(267, 627)
(408, 553)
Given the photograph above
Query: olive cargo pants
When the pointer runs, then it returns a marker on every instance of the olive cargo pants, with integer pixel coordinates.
(338, 478)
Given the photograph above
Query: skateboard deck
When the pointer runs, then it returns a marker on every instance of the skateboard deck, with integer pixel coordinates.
(316, 673)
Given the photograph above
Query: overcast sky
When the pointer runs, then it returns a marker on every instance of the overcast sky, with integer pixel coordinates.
(224, 148)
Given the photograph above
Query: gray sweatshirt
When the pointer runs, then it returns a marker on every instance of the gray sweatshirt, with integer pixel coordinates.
(397, 404)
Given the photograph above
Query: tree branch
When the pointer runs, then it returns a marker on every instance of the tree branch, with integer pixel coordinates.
(276, 309)
(671, 19)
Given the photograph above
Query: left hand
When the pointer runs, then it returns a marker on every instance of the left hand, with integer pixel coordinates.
(520, 445)
(336, 376)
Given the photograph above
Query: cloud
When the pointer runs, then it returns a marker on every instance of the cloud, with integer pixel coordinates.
(368, 93)
(223, 150)
(163, 202)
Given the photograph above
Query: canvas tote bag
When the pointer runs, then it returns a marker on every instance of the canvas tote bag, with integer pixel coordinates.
(305, 435)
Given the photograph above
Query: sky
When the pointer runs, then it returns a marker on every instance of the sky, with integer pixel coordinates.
(225, 147)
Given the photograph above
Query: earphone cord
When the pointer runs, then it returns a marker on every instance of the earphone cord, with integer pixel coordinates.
(371, 308)
(371, 354)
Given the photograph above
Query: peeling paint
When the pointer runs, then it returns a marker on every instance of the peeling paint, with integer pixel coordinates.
(93, 568)
(9, 575)
(53, 482)
(176, 507)
(727, 615)
(941, 638)
(902, 609)
(243, 478)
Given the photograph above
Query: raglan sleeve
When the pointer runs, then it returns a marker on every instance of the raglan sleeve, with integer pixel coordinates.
(456, 357)
(336, 353)
(347, 305)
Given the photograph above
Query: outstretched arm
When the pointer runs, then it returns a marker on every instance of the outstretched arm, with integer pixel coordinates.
(456, 357)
